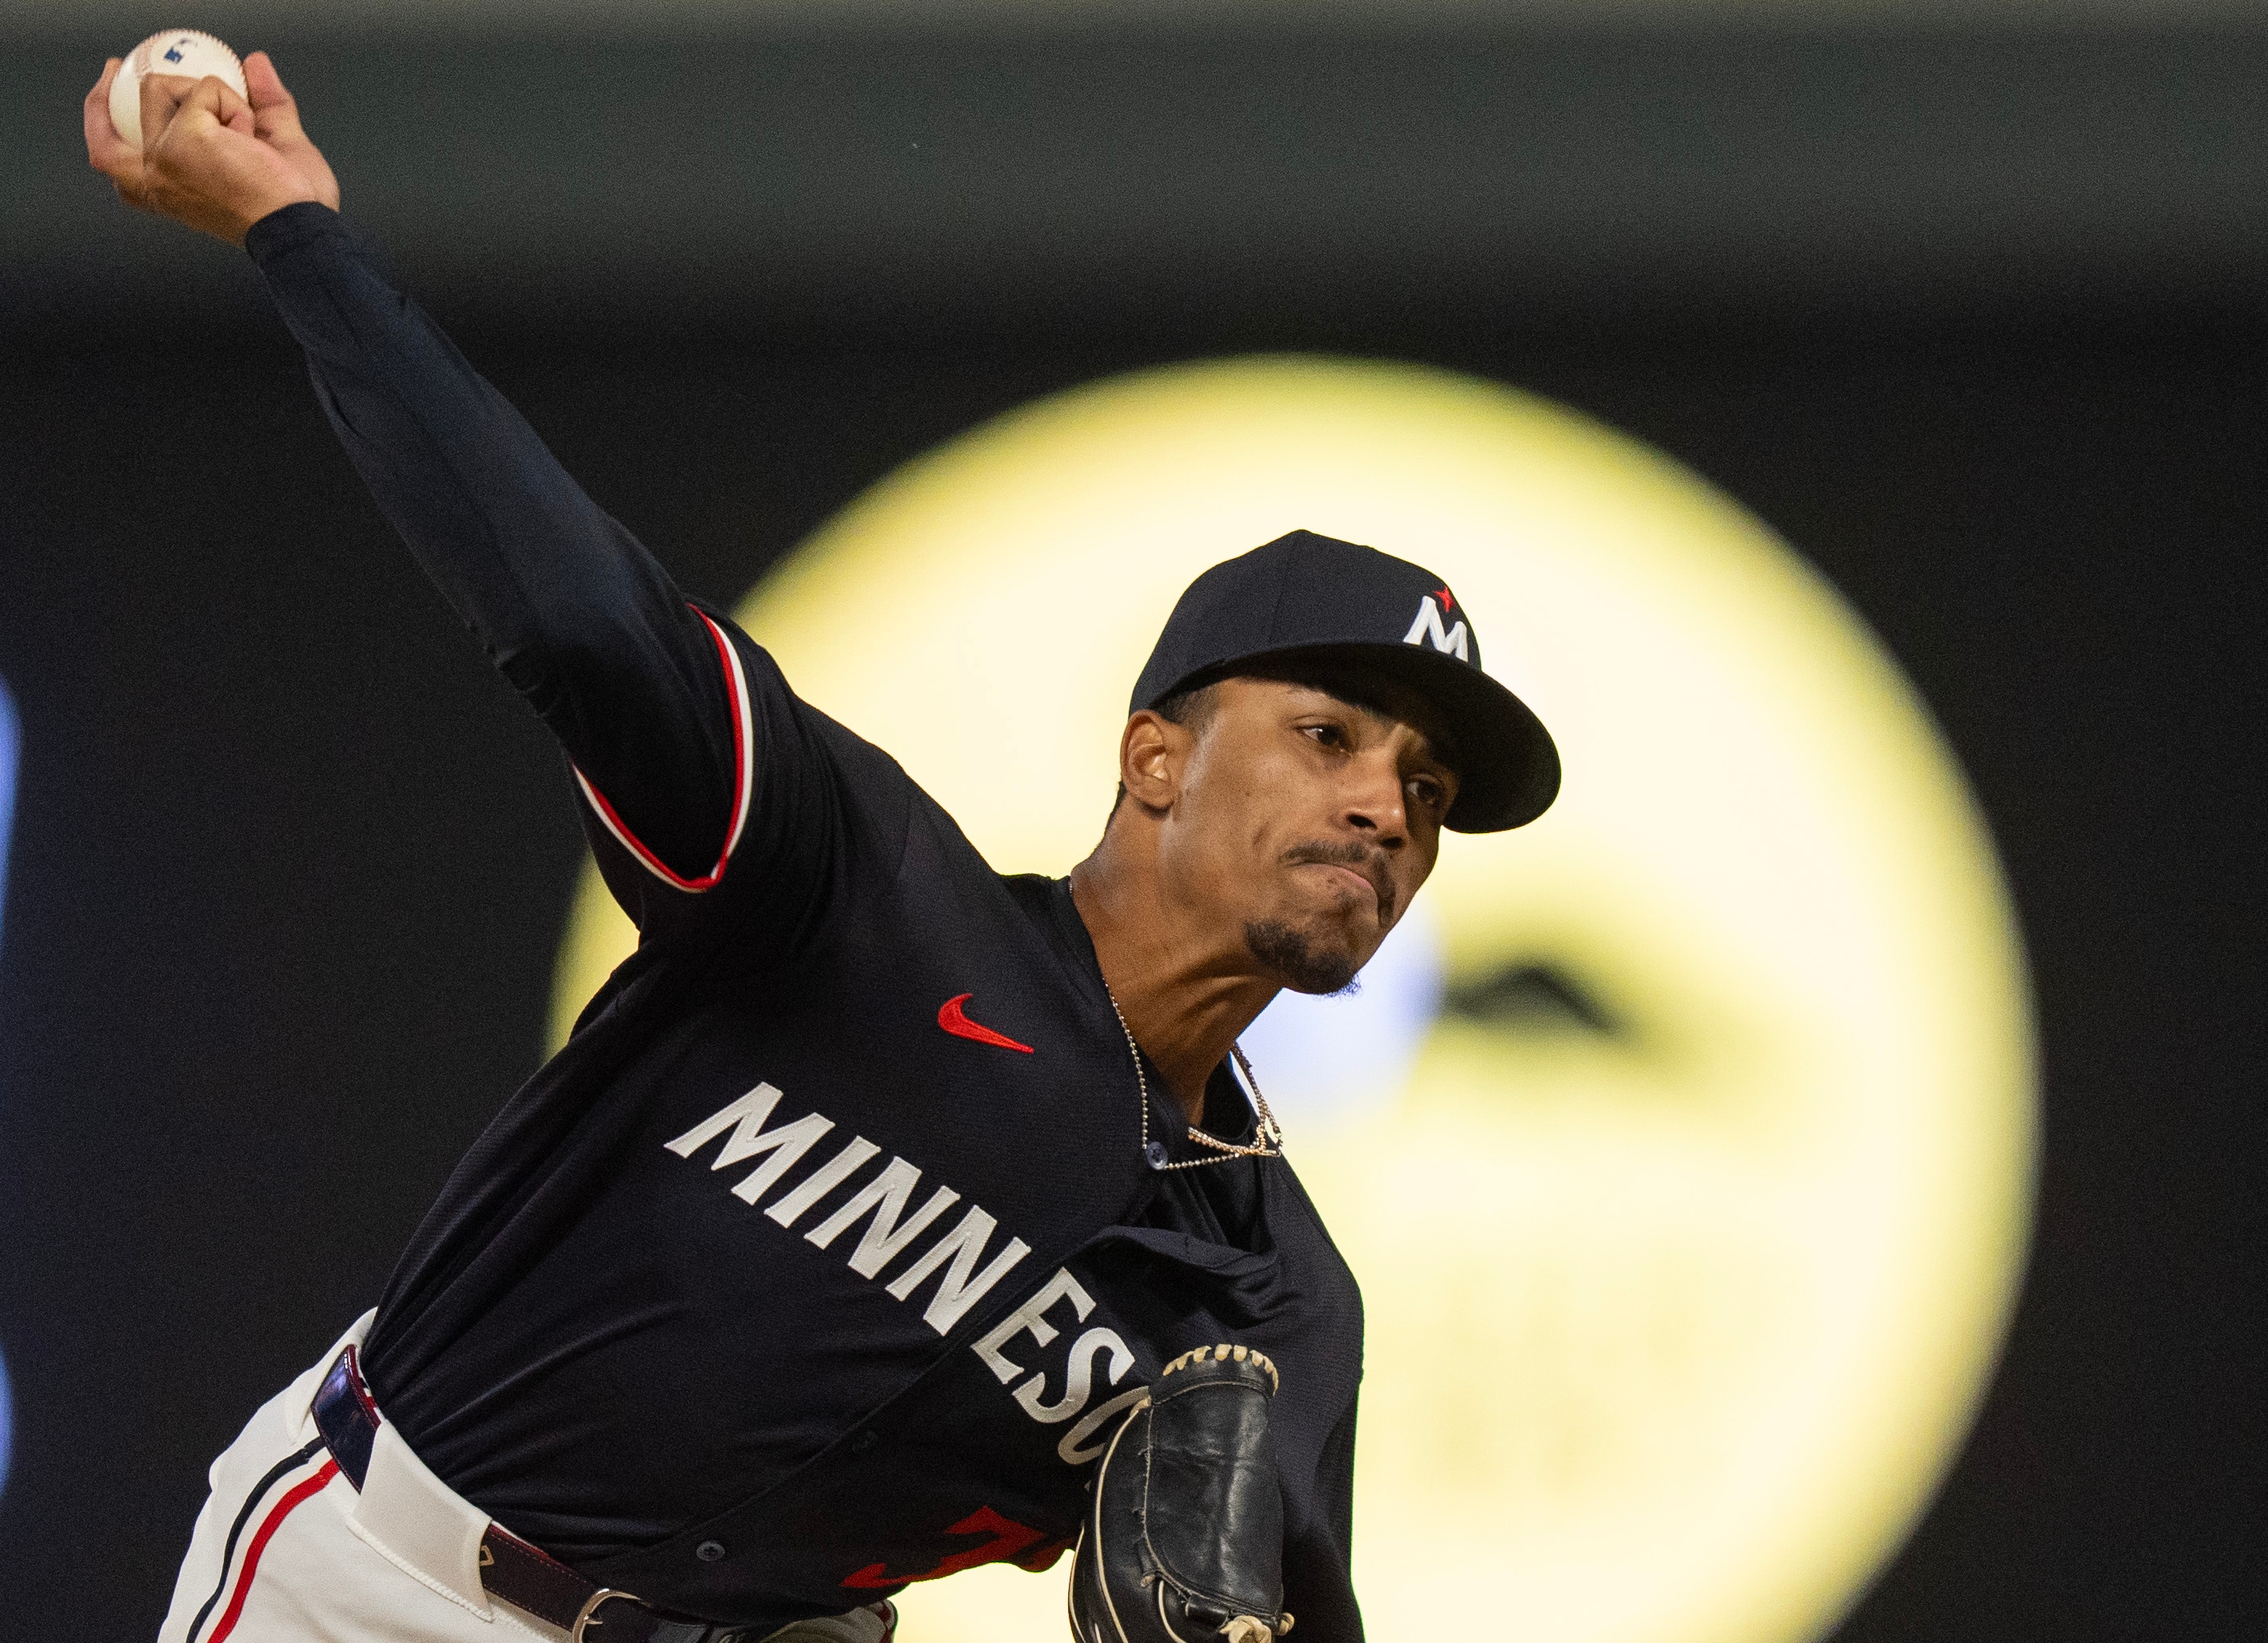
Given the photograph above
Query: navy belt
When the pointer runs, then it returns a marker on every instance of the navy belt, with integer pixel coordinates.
(523, 1576)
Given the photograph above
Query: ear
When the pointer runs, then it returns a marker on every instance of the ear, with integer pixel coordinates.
(1151, 755)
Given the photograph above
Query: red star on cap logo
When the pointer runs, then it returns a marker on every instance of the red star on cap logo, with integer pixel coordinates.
(1448, 600)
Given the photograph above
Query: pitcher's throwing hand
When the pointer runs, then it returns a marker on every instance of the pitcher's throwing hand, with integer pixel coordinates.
(209, 159)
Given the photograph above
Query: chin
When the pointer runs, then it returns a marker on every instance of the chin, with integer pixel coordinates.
(1307, 960)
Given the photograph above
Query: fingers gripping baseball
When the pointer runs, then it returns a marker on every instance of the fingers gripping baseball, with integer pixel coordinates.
(209, 159)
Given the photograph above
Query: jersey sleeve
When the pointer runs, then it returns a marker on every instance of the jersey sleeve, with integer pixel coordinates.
(647, 694)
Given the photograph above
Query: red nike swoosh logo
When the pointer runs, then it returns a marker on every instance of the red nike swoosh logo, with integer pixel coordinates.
(950, 1018)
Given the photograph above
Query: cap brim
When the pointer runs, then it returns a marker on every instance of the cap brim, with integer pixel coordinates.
(1507, 765)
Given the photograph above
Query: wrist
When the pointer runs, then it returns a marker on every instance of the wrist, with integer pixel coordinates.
(266, 204)
(289, 224)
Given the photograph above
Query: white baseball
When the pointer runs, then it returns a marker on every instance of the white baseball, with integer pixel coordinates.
(183, 51)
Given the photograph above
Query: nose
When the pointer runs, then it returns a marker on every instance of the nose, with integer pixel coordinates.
(1375, 808)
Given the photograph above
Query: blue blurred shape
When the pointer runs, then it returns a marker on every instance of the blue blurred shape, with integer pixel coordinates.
(1333, 1057)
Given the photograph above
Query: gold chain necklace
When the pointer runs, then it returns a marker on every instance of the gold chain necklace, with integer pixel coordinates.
(1270, 1143)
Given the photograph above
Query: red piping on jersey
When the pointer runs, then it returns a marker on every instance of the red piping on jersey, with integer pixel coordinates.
(268, 1525)
(736, 695)
(950, 1018)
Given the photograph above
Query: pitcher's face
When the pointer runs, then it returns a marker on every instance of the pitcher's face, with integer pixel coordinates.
(1309, 819)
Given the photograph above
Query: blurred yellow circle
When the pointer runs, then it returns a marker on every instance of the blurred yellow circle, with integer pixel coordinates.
(1690, 1213)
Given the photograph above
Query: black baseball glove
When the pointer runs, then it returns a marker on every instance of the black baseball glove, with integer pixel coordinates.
(1184, 1541)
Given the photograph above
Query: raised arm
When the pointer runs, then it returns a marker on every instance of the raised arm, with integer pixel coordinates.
(640, 689)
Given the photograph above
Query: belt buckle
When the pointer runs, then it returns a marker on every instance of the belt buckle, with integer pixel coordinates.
(589, 1607)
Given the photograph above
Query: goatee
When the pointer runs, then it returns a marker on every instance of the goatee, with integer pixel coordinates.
(1304, 967)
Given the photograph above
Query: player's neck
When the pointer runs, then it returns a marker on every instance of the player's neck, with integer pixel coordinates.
(1186, 986)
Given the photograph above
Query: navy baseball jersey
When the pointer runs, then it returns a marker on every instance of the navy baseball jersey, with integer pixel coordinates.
(825, 1255)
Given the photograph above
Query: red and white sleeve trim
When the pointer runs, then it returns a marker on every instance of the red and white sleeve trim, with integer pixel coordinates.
(744, 767)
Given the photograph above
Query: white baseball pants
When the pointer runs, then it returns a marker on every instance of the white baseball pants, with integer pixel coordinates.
(286, 1550)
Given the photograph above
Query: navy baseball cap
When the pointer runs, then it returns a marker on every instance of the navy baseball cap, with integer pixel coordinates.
(1307, 597)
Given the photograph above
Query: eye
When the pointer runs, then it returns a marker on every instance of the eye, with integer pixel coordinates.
(1428, 792)
(1326, 734)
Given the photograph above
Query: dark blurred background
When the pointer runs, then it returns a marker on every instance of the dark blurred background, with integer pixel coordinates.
(1970, 304)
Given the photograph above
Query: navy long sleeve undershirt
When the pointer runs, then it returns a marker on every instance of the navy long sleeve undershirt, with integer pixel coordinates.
(571, 607)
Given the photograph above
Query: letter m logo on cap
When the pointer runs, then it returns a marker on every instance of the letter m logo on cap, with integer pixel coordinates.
(1427, 627)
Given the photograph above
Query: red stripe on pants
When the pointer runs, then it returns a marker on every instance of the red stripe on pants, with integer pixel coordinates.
(268, 1525)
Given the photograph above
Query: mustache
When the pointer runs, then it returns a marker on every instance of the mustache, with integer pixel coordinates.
(1369, 862)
